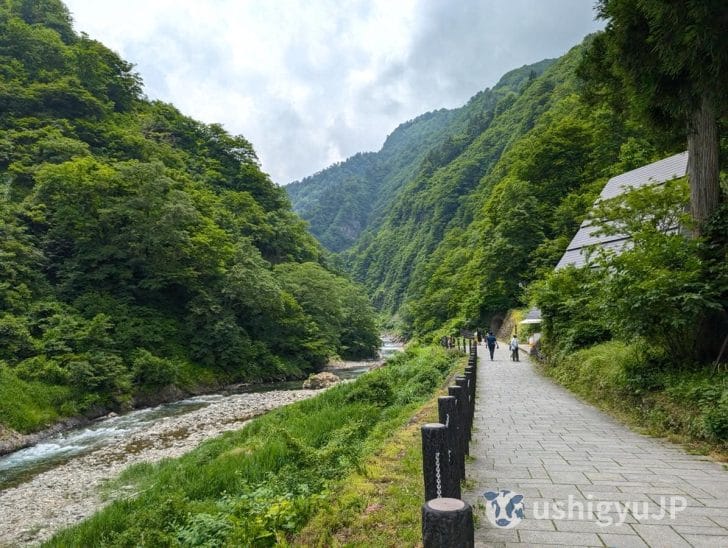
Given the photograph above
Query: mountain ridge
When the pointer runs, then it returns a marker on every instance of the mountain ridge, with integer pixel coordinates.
(341, 201)
(492, 204)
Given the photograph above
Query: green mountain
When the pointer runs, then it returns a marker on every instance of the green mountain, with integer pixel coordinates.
(482, 206)
(344, 199)
(140, 248)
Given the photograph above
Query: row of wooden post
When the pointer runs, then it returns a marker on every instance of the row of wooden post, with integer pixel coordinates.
(463, 344)
(447, 521)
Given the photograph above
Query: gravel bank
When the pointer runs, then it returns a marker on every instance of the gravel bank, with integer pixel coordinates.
(33, 511)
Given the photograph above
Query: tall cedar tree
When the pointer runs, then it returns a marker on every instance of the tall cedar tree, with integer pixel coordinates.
(671, 58)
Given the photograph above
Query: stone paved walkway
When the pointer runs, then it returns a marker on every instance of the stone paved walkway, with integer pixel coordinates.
(535, 438)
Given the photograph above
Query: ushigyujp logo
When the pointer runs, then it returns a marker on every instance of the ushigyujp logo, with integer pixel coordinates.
(504, 508)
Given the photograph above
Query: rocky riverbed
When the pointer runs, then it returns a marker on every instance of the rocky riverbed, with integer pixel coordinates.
(33, 511)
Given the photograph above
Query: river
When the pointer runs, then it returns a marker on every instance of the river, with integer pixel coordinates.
(55, 483)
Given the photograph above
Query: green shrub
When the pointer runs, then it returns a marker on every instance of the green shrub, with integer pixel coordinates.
(375, 390)
(99, 372)
(42, 368)
(16, 342)
(151, 370)
(599, 370)
(419, 386)
(715, 419)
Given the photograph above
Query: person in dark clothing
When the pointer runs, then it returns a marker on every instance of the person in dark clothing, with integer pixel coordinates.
(492, 343)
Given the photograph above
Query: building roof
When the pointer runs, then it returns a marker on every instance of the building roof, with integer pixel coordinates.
(655, 173)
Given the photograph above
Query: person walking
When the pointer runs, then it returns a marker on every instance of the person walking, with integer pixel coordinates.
(514, 348)
(492, 343)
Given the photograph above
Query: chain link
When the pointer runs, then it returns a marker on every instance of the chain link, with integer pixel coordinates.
(438, 477)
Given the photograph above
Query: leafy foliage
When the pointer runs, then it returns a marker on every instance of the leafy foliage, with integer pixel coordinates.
(657, 290)
(136, 241)
(668, 61)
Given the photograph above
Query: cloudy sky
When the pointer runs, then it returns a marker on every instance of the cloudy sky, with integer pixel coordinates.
(311, 82)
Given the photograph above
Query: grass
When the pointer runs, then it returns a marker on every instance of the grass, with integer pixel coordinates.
(379, 505)
(260, 485)
(29, 406)
(688, 406)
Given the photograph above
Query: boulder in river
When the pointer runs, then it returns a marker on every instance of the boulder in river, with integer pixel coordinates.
(320, 380)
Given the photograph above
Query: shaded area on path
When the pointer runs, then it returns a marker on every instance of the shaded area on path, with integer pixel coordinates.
(533, 437)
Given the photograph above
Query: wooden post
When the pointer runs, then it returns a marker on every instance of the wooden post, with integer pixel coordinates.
(470, 376)
(463, 383)
(438, 475)
(458, 393)
(447, 413)
(447, 523)
(473, 371)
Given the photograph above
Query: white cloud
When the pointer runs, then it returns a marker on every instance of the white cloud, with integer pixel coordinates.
(310, 83)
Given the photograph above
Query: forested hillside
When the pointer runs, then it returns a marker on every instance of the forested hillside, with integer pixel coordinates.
(340, 201)
(140, 248)
(488, 208)
(348, 198)
(556, 152)
(491, 205)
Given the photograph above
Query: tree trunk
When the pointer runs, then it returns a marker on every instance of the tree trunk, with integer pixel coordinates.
(703, 163)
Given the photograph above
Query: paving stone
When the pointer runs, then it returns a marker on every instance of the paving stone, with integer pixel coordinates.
(596, 488)
(693, 530)
(536, 438)
(679, 519)
(592, 526)
(536, 524)
(498, 535)
(622, 541)
(662, 536)
(605, 476)
(568, 477)
(523, 545)
(704, 541)
(557, 537)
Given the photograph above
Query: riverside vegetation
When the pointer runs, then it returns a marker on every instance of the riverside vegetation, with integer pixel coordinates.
(140, 249)
(261, 484)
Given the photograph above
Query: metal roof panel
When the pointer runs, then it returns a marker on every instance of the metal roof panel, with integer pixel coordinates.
(654, 173)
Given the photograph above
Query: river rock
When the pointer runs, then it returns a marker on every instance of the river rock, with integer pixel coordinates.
(320, 380)
(34, 510)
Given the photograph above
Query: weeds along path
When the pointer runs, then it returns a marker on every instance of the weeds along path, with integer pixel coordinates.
(535, 438)
(33, 511)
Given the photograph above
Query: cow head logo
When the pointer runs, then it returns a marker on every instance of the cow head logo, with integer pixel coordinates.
(504, 508)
